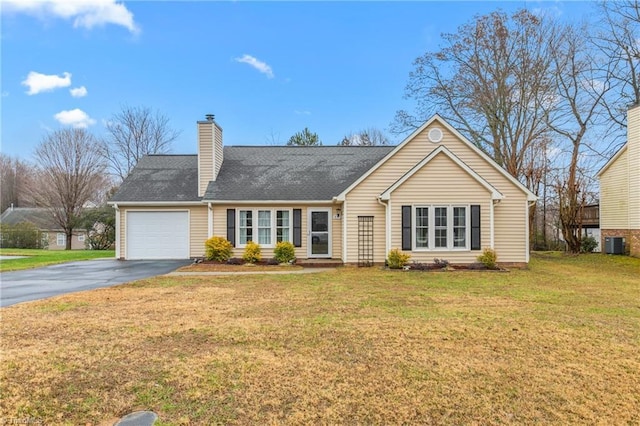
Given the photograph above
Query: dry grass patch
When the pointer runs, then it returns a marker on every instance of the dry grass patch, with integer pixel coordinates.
(556, 344)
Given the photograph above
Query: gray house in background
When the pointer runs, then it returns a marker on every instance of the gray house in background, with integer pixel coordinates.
(41, 218)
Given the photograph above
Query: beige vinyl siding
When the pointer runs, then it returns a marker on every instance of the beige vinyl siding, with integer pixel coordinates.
(633, 148)
(220, 227)
(425, 187)
(614, 194)
(205, 156)
(197, 226)
(76, 244)
(510, 213)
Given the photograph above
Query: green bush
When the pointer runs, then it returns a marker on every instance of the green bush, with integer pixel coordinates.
(284, 252)
(218, 249)
(588, 244)
(252, 252)
(488, 258)
(397, 259)
(22, 235)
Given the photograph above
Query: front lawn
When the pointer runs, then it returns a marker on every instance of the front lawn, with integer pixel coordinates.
(37, 258)
(556, 344)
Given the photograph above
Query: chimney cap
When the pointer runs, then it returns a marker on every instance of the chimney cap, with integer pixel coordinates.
(210, 117)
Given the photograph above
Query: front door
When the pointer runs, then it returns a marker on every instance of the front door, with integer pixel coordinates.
(319, 233)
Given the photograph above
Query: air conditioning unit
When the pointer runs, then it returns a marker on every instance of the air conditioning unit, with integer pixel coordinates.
(614, 245)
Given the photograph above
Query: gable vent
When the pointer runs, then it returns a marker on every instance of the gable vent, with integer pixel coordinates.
(435, 135)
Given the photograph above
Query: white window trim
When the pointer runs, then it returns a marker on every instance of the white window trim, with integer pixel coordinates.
(64, 239)
(254, 225)
(432, 220)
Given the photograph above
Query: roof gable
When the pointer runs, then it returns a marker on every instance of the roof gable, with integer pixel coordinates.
(42, 218)
(612, 159)
(495, 194)
(530, 195)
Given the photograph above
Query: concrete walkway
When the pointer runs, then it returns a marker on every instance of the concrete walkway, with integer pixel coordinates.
(297, 271)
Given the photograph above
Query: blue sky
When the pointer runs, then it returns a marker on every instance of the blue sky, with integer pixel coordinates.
(265, 69)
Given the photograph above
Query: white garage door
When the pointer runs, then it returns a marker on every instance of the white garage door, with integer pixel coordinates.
(157, 235)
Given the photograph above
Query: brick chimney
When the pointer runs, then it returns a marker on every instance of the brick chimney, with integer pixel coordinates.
(209, 152)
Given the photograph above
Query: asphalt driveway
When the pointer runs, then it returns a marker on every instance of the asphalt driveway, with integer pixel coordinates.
(48, 281)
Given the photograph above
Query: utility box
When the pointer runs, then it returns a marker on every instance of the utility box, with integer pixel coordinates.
(614, 245)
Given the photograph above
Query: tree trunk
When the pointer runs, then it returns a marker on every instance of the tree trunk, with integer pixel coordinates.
(69, 239)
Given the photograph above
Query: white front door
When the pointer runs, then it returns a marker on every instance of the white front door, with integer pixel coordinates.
(319, 233)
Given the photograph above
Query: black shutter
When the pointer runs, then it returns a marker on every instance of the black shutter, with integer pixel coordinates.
(231, 226)
(406, 227)
(475, 228)
(297, 227)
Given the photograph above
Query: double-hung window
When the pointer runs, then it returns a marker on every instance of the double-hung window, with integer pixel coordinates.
(264, 226)
(61, 239)
(441, 227)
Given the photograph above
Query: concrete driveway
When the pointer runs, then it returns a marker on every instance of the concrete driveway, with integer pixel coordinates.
(48, 281)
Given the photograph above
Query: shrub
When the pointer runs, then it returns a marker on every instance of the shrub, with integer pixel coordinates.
(252, 252)
(397, 259)
(23, 235)
(488, 258)
(284, 252)
(588, 244)
(218, 249)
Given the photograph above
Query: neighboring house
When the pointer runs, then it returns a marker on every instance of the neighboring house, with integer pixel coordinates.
(42, 219)
(620, 189)
(435, 195)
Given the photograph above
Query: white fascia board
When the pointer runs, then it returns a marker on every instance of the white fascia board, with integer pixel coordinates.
(272, 202)
(495, 194)
(612, 160)
(155, 203)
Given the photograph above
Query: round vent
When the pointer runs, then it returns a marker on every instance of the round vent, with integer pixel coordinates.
(435, 135)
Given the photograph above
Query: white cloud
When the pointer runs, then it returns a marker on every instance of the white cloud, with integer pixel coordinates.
(38, 83)
(5, 94)
(78, 92)
(75, 118)
(85, 13)
(257, 64)
(304, 112)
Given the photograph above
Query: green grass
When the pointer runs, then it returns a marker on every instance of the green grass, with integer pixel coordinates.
(557, 343)
(38, 258)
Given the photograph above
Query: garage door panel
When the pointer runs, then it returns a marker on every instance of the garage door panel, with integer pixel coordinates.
(157, 235)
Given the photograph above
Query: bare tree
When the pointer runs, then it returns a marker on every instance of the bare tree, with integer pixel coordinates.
(618, 43)
(70, 173)
(15, 175)
(580, 88)
(491, 81)
(370, 136)
(133, 133)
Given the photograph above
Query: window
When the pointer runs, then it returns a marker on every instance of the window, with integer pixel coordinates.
(422, 227)
(459, 227)
(282, 226)
(270, 226)
(441, 227)
(61, 239)
(81, 238)
(246, 226)
(264, 227)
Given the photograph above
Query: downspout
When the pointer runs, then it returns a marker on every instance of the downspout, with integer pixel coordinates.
(210, 220)
(115, 206)
(492, 224)
(387, 226)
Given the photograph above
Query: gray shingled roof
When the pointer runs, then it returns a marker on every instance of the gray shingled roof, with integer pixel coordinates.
(40, 217)
(161, 178)
(291, 172)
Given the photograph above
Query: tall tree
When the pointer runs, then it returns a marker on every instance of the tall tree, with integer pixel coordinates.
(491, 81)
(133, 133)
(367, 137)
(305, 138)
(15, 176)
(580, 87)
(70, 173)
(618, 43)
